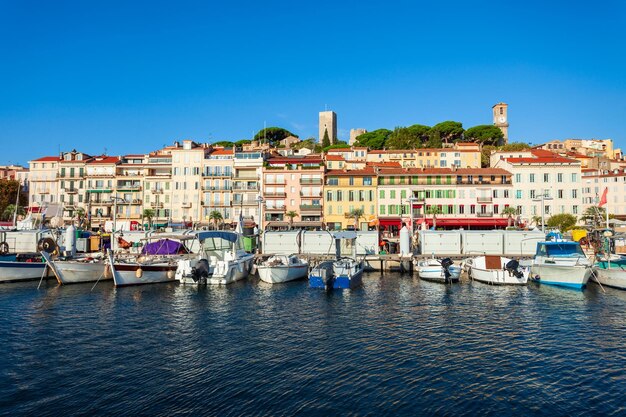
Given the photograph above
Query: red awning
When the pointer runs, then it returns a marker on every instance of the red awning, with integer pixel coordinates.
(389, 222)
(470, 222)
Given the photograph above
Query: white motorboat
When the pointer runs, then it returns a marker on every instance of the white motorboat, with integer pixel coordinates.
(438, 270)
(77, 270)
(282, 268)
(498, 270)
(23, 267)
(561, 263)
(343, 272)
(220, 260)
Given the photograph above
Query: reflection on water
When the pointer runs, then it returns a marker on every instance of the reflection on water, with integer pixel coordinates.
(397, 345)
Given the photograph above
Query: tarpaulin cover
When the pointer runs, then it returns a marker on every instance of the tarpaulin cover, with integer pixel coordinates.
(163, 247)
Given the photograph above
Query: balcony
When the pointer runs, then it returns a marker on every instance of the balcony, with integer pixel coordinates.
(485, 214)
(101, 203)
(245, 202)
(217, 174)
(156, 205)
(186, 204)
(134, 187)
(310, 195)
(275, 195)
(215, 204)
(207, 188)
(275, 182)
(311, 181)
(156, 191)
(246, 187)
(273, 209)
(483, 199)
(310, 208)
(246, 177)
(71, 190)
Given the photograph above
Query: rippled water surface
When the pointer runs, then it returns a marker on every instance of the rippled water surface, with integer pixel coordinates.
(397, 346)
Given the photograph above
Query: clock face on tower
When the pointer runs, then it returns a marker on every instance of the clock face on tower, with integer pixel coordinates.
(502, 119)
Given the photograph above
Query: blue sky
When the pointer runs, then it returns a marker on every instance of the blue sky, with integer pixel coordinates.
(131, 77)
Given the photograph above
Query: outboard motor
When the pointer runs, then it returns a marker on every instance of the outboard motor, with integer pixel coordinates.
(512, 267)
(201, 272)
(446, 263)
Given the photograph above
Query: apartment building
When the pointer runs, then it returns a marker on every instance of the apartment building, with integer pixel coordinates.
(129, 183)
(248, 167)
(461, 155)
(542, 178)
(44, 186)
(594, 182)
(347, 190)
(157, 189)
(217, 185)
(293, 184)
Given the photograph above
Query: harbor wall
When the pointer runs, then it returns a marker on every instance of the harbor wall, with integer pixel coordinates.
(489, 242)
(317, 243)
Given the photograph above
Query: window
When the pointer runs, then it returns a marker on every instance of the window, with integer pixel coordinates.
(518, 194)
(351, 180)
(559, 177)
(367, 180)
(574, 193)
(531, 178)
(392, 194)
(559, 193)
(381, 194)
(350, 195)
(532, 193)
(333, 181)
(382, 210)
(339, 195)
(403, 194)
(574, 177)
(518, 177)
(329, 196)
(546, 177)
(461, 209)
(574, 209)
(472, 209)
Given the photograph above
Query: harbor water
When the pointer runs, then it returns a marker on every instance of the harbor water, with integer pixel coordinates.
(396, 346)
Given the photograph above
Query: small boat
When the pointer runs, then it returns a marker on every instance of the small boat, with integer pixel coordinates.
(438, 270)
(497, 270)
(561, 263)
(75, 270)
(343, 272)
(157, 262)
(221, 260)
(610, 271)
(23, 267)
(282, 268)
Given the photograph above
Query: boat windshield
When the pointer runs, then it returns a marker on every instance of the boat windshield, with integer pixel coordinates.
(561, 249)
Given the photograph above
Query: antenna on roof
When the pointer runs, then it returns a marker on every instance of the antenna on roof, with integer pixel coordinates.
(105, 151)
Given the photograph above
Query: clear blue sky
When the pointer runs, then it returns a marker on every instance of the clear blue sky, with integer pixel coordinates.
(133, 76)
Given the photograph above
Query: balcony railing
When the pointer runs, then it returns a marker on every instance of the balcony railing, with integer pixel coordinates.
(186, 204)
(275, 195)
(310, 195)
(135, 187)
(274, 209)
(71, 190)
(310, 207)
(246, 187)
(484, 199)
(311, 181)
(217, 174)
(245, 202)
(156, 191)
(207, 188)
(246, 177)
(485, 214)
(101, 203)
(156, 205)
(275, 182)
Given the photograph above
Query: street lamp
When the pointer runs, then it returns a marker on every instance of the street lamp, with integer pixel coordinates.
(543, 199)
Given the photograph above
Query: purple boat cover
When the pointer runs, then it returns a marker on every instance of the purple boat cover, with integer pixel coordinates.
(163, 247)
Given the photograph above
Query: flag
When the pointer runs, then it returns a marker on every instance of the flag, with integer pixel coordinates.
(603, 200)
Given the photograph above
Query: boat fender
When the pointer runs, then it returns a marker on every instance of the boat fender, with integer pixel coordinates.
(170, 274)
(4, 248)
(139, 272)
(47, 244)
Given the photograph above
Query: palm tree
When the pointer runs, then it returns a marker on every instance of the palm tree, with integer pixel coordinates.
(291, 214)
(149, 215)
(7, 214)
(434, 210)
(216, 217)
(80, 216)
(536, 220)
(509, 211)
(355, 214)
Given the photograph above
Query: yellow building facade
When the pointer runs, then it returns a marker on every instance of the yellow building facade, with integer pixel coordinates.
(345, 191)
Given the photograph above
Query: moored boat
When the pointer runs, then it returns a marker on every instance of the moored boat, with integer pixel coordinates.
(282, 268)
(610, 272)
(23, 267)
(343, 272)
(561, 263)
(76, 270)
(221, 260)
(438, 270)
(497, 270)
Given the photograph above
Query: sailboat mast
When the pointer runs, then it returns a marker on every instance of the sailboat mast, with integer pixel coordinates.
(17, 202)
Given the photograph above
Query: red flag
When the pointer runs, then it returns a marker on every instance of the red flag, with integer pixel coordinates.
(603, 199)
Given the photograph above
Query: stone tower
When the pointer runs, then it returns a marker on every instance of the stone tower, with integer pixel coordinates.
(501, 120)
(328, 121)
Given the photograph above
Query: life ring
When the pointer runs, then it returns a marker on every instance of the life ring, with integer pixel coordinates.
(4, 248)
(46, 244)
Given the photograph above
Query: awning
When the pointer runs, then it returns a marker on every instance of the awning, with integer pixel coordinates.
(390, 221)
(469, 222)
(307, 224)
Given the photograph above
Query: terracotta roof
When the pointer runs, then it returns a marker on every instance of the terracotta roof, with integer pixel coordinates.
(223, 152)
(298, 160)
(482, 171)
(334, 158)
(385, 164)
(134, 155)
(340, 150)
(443, 171)
(354, 173)
(46, 159)
(542, 160)
(103, 159)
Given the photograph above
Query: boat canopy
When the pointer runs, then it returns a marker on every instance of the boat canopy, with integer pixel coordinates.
(214, 234)
(559, 249)
(164, 247)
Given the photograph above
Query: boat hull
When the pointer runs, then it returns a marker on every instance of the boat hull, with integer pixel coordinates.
(562, 275)
(346, 282)
(282, 273)
(236, 271)
(23, 271)
(137, 274)
(497, 277)
(73, 272)
(614, 277)
(436, 274)
(321, 276)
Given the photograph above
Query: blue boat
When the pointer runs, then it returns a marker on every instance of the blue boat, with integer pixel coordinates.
(342, 273)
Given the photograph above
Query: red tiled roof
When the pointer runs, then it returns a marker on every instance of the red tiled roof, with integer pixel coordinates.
(46, 159)
(542, 160)
(443, 171)
(103, 159)
(223, 152)
(299, 160)
(334, 158)
(386, 164)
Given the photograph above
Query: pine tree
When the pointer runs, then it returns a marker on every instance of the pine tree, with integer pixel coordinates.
(326, 140)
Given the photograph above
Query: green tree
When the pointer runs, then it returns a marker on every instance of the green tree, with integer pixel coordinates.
(596, 216)
(148, 214)
(485, 134)
(514, 147)
(7, 214)
(510, 212)
(8, 194)
(224, 143)
(80, 216)
(434, 211)
(243, 142)
(434, 140)
(355, 214)
(326, 140)
(485, 155)
(273, 135)
(291, 214)
(216, 217)
(374, 140)
(309, 143)
(563, 222)
(449, 131)
(339, 145)
(403, 138)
